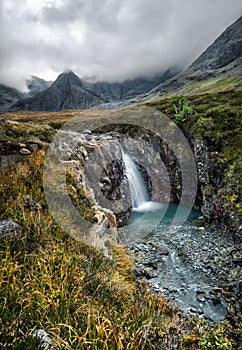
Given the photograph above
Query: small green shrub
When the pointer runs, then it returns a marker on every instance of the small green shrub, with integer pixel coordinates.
(183, 109)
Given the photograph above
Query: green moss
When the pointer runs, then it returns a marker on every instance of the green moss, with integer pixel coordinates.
(79, 199)
(16, 131)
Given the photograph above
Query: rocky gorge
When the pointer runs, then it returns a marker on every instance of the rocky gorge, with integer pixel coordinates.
(197, 264)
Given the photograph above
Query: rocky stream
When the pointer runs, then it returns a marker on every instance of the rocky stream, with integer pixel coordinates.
(188, 265)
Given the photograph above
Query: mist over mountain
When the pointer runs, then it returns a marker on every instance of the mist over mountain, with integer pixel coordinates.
(220, 63)
(36, 85)
(71, 92)
(221, 60)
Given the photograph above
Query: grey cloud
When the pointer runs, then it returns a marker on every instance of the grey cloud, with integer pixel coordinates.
(109, 39)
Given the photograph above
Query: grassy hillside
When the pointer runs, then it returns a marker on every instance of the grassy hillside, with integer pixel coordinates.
(188, 82)
(220, 83)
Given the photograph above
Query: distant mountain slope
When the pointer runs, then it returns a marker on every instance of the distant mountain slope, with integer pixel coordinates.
(218, 68)
(225, 49)
(67, 92)
(71, 92)
(37, 85)
(8, 96)
(130, 88)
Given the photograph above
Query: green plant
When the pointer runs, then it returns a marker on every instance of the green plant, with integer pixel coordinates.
(183, 109)
(216, 338)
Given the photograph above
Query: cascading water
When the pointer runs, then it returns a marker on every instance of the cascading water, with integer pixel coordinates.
(138, 192)
(146, 214)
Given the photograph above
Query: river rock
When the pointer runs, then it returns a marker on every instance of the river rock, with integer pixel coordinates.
(45, 340)
(10, 229)
(25, 151)
(22, 145)
(87, 131)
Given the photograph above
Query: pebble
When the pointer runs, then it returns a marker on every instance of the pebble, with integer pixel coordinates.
(45, 340)
(86, 131)
(21, 145)
(25, 151)
(10, 229)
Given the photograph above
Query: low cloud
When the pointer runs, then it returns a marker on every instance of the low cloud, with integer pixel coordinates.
(111, 40)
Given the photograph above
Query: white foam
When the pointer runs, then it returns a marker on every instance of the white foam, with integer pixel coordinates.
(149, 206)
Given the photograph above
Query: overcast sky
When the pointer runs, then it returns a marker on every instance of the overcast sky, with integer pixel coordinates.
(108, 39)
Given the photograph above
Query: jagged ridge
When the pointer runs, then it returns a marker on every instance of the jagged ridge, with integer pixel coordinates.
(222, 59)
(71, 92)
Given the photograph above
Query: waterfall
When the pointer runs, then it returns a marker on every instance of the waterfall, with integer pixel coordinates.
(138, 191)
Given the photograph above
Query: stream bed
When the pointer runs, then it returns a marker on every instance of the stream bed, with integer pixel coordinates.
(185, 263)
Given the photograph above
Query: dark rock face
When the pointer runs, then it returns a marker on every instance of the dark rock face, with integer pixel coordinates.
(71, 92)
(225, 49)
(217, 213)
(111, 181)
(8, 96)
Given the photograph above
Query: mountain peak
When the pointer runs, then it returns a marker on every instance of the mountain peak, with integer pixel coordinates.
(68, 75)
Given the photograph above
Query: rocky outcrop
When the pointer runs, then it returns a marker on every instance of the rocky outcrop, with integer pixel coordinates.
(95, 182)
(218, 214)
(13, 151)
